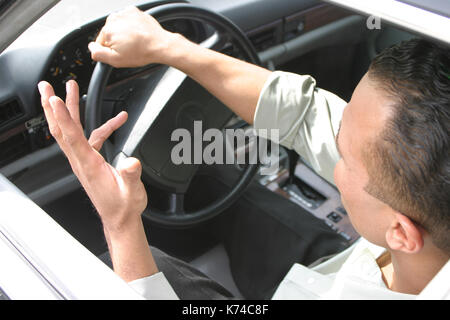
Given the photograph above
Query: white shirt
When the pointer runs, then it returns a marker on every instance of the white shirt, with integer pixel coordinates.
(308, 119)
(353, 274)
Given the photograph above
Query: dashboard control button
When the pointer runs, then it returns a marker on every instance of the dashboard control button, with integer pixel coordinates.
(335, 217)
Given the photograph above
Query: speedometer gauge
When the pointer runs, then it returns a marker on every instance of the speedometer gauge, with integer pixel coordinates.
(72, 62)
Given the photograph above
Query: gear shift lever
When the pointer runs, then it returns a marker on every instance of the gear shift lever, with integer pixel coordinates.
(293, 160)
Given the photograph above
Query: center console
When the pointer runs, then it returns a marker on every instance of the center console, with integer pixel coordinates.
(311, 192)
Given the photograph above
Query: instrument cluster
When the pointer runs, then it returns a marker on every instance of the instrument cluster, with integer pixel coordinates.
(72, 59)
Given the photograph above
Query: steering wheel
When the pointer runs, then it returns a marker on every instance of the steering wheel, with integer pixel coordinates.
(160, 106)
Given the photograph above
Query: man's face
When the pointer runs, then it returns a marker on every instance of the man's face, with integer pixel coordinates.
(363, 119)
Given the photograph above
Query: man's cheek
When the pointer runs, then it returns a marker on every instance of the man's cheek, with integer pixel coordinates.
(340, 181)
(337, 174)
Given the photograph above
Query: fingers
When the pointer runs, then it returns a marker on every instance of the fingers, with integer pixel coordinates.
(64, 124)
(130, 170)
(102, 53)
(104, 37)
(99, 135)
(101, 49)
(73, 100)
(70, 137)
(46, 91)
(50, 102)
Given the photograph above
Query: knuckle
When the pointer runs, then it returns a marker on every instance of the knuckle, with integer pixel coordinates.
(107, 34)
(111, 17)
(104, 35)
(97, 135)
(55, 132)
(94, 55)
(68, 139)
(94, 133)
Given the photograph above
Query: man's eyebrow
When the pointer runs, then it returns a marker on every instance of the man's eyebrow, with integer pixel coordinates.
(337, 140)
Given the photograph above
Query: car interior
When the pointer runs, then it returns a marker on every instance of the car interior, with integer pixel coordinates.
(249, 243)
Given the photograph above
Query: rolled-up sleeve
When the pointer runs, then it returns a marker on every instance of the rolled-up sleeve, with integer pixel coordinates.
(307, 118)
(155, 287)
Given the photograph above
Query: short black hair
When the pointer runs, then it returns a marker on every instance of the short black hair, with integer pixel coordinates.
(408, 163)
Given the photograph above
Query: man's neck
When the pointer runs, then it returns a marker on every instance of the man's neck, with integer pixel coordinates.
(410, 273)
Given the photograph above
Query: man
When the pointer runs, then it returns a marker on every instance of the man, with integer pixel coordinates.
(391, 164)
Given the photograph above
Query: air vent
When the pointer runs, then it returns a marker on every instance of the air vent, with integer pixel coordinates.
(14, 148)
(10, 111)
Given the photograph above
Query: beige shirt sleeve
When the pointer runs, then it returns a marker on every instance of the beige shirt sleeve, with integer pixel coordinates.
(307, 117)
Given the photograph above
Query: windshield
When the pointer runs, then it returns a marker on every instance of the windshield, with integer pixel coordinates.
(66, 16)
(441, 7)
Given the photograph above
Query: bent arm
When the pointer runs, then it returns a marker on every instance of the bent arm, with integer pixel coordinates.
(307, 118)
(117, 194)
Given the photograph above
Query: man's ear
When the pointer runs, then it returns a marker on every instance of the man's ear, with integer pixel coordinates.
(403, 235)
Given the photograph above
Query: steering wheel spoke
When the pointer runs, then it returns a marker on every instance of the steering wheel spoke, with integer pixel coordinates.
(217, 41)
(168, 85)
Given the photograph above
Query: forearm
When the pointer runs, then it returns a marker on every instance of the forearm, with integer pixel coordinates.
(129, 250)
(234, 82)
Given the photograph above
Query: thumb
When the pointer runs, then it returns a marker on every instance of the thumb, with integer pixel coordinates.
(101, 53)
(130, 169)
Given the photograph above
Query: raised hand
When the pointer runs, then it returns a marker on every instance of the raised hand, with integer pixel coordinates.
(118, 194)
